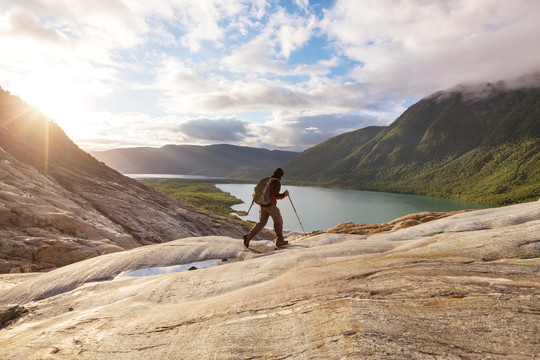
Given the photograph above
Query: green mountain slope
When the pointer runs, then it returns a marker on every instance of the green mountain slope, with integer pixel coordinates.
(450, 144)
(314, 162)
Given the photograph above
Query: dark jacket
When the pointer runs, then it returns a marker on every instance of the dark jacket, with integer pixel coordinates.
(275, 188)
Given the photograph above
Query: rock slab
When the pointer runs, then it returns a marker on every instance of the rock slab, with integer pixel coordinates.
(464, 286)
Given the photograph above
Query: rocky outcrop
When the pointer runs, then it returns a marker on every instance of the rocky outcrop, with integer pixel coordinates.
(397, 224)
(11, 314)
(464, 286)
(43, 225)
(59, 205)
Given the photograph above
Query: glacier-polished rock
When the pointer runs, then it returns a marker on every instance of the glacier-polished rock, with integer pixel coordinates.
(464, 286)
(44, 225)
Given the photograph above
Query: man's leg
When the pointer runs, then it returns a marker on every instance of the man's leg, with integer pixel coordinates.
(263, 219)
(278, 223)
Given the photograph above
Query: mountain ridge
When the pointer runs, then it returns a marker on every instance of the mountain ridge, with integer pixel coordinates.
(437, 147)
(218, 159)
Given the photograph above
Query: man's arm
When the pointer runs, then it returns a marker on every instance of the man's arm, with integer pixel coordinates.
(275, 187)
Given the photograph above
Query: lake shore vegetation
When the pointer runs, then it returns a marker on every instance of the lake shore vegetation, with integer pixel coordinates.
(201, 194)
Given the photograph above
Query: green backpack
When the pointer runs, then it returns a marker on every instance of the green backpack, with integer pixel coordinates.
(261, 193)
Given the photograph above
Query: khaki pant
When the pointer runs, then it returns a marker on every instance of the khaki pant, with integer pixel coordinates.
(264, 213)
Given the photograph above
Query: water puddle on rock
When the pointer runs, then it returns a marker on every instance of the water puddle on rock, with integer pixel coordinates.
(172, 269)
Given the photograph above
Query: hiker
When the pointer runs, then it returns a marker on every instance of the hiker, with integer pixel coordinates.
(271, 210)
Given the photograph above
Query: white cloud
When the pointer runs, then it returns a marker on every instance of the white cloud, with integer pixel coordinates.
(321, 68)
(207, 63)
(299, 130)
(290, 31)
(180, 78)
(21, 23)
(216, 130)
(188, 92)
(206, 20)
(417, 46)
(268, 51)
(201, 24)
(61, 54)
(255, 56)
(302, 4)
(295, 130)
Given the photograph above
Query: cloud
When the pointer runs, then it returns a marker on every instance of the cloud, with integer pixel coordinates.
(281, 130)
(320, 68)
(60, 52)
(291, 31)
(105, 130)
(187, 91)
(472, 92)
(102, 130)
(252, 95)
(255, 56)
(302, 4)
(21, 23)
(220, 129)
(83, 22)
(267, 52)
(199, 22)
(180, 78)
(418, 47)
(201, 69)
(299, 130)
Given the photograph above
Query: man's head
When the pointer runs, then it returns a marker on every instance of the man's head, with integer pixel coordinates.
(278, 173)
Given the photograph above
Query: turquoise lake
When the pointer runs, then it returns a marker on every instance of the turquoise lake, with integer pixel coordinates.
(322, 208)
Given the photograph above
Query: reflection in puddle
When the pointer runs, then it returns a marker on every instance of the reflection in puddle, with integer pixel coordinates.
(172, 269)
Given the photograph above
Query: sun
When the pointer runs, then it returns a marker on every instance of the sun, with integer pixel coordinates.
(57, 98)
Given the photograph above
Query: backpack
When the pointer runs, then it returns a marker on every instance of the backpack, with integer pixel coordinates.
(261, 193)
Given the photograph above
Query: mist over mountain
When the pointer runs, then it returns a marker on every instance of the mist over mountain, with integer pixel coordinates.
(479, 143)
(59, 205)
(219, 159)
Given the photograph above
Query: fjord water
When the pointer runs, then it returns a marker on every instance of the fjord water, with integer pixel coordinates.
(321, 208)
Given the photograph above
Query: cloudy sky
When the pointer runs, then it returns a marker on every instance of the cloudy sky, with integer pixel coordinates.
(274, 74)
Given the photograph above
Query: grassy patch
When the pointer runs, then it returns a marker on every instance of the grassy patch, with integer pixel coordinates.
(200, 194)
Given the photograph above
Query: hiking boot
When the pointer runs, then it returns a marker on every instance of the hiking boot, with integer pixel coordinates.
(281, 243)
(246, 241)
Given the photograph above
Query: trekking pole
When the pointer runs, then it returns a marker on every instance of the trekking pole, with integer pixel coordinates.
(249, 208)
(297, 215)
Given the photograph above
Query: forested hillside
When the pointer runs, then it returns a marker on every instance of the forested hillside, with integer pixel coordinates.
(455, 144)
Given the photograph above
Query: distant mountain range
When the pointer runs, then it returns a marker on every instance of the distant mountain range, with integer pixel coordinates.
(473, 143)
(478, 143)
(218, 160)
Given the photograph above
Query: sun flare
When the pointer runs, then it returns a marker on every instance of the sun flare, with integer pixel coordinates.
(56, 98)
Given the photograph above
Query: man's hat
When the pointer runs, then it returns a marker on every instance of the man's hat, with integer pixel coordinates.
(278, 173)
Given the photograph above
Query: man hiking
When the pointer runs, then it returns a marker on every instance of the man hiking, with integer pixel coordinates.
(271, 209)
